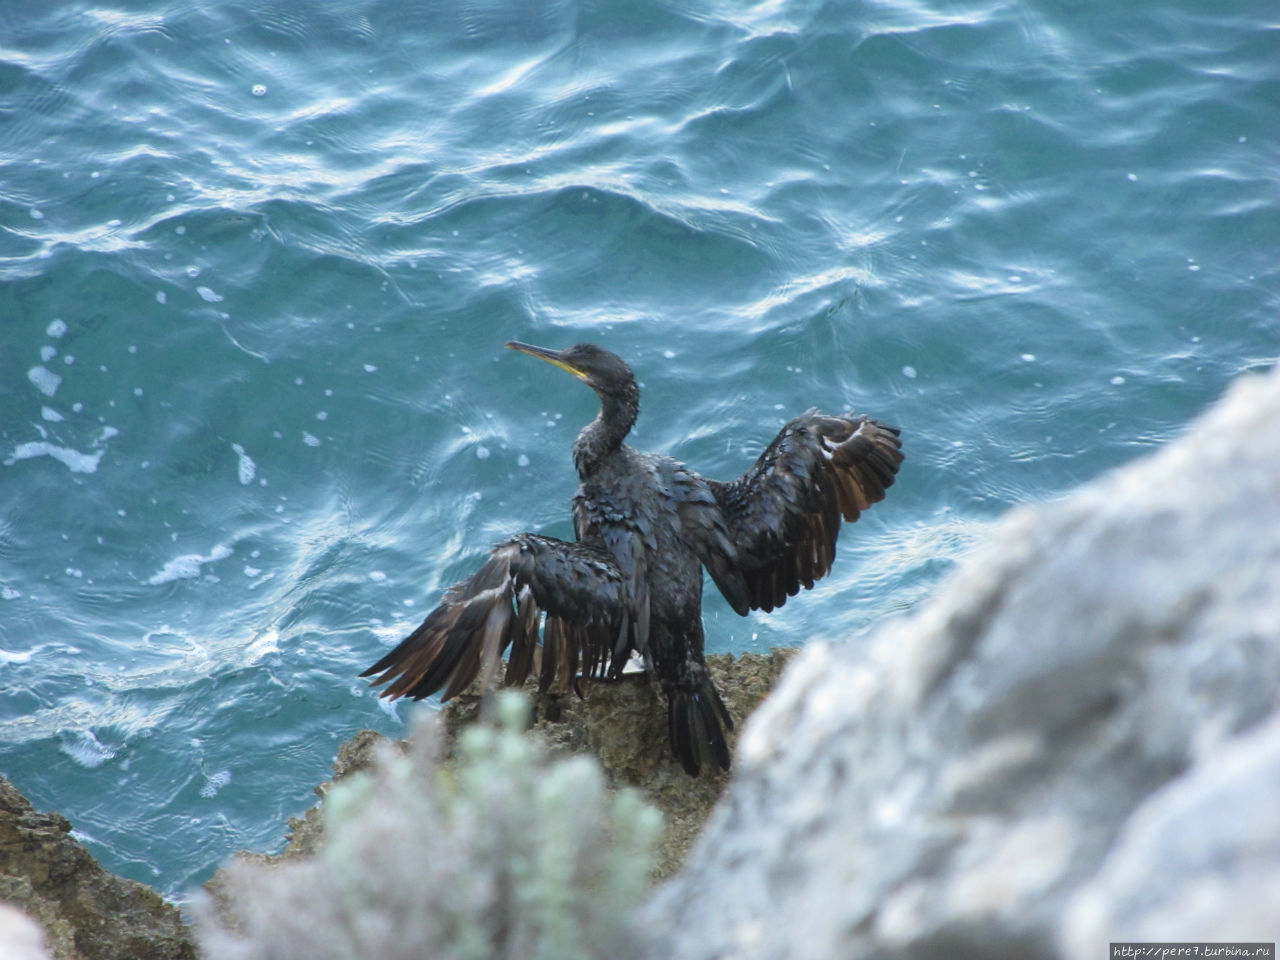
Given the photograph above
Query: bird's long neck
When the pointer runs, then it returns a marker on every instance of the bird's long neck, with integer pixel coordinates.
(604, 435)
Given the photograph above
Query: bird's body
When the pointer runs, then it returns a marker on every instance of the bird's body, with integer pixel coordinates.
(646, 525)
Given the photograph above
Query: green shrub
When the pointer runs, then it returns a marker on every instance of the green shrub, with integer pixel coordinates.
(504, 854)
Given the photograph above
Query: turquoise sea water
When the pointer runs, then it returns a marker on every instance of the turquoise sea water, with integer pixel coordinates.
(257, 267)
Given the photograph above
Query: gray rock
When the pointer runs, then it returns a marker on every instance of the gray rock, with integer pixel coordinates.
(1199, 860)
(1046, 732)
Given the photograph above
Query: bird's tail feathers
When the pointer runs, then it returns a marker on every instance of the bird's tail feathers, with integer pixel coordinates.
(699, 725)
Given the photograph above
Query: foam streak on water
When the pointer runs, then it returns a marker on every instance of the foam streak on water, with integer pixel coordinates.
(256, 269)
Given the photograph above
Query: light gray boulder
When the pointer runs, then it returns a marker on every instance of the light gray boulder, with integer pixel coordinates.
(1015, 770)
(1198, 861)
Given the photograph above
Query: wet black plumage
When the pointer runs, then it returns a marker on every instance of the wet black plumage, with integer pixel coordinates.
(646, 525)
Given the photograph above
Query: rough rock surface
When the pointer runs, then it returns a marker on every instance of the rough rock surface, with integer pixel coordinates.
(1075, 742)
(86, 912)
(1165, 880)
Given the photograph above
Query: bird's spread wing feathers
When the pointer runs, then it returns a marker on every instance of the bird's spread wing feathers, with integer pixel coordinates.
(784, 514)
(588, 629)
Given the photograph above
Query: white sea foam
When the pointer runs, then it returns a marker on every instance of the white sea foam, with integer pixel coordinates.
(75, 461)
(85, 748)
(208, 295)
(45, 380)
(247, 468)
(50, 414)
(213, 782)
(267, 642)
(187, 566)
(56, 328)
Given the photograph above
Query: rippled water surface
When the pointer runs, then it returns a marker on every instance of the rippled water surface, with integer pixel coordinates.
(256, 270)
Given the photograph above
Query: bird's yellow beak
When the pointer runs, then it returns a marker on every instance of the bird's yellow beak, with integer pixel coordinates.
(553, 357)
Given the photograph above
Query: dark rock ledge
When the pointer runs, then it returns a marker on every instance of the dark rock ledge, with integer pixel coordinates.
(622, 724)
(86, 913)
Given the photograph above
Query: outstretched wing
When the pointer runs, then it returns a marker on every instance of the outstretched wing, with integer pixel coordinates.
(579, 588)
(783, 515)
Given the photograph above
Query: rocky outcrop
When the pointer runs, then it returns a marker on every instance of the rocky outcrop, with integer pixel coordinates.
(1077, 741)
(622, 724)
(86, 912)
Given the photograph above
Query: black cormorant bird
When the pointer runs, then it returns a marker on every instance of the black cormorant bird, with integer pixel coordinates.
(645, 526)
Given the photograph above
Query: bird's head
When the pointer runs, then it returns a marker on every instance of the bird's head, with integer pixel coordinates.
(604, 372)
